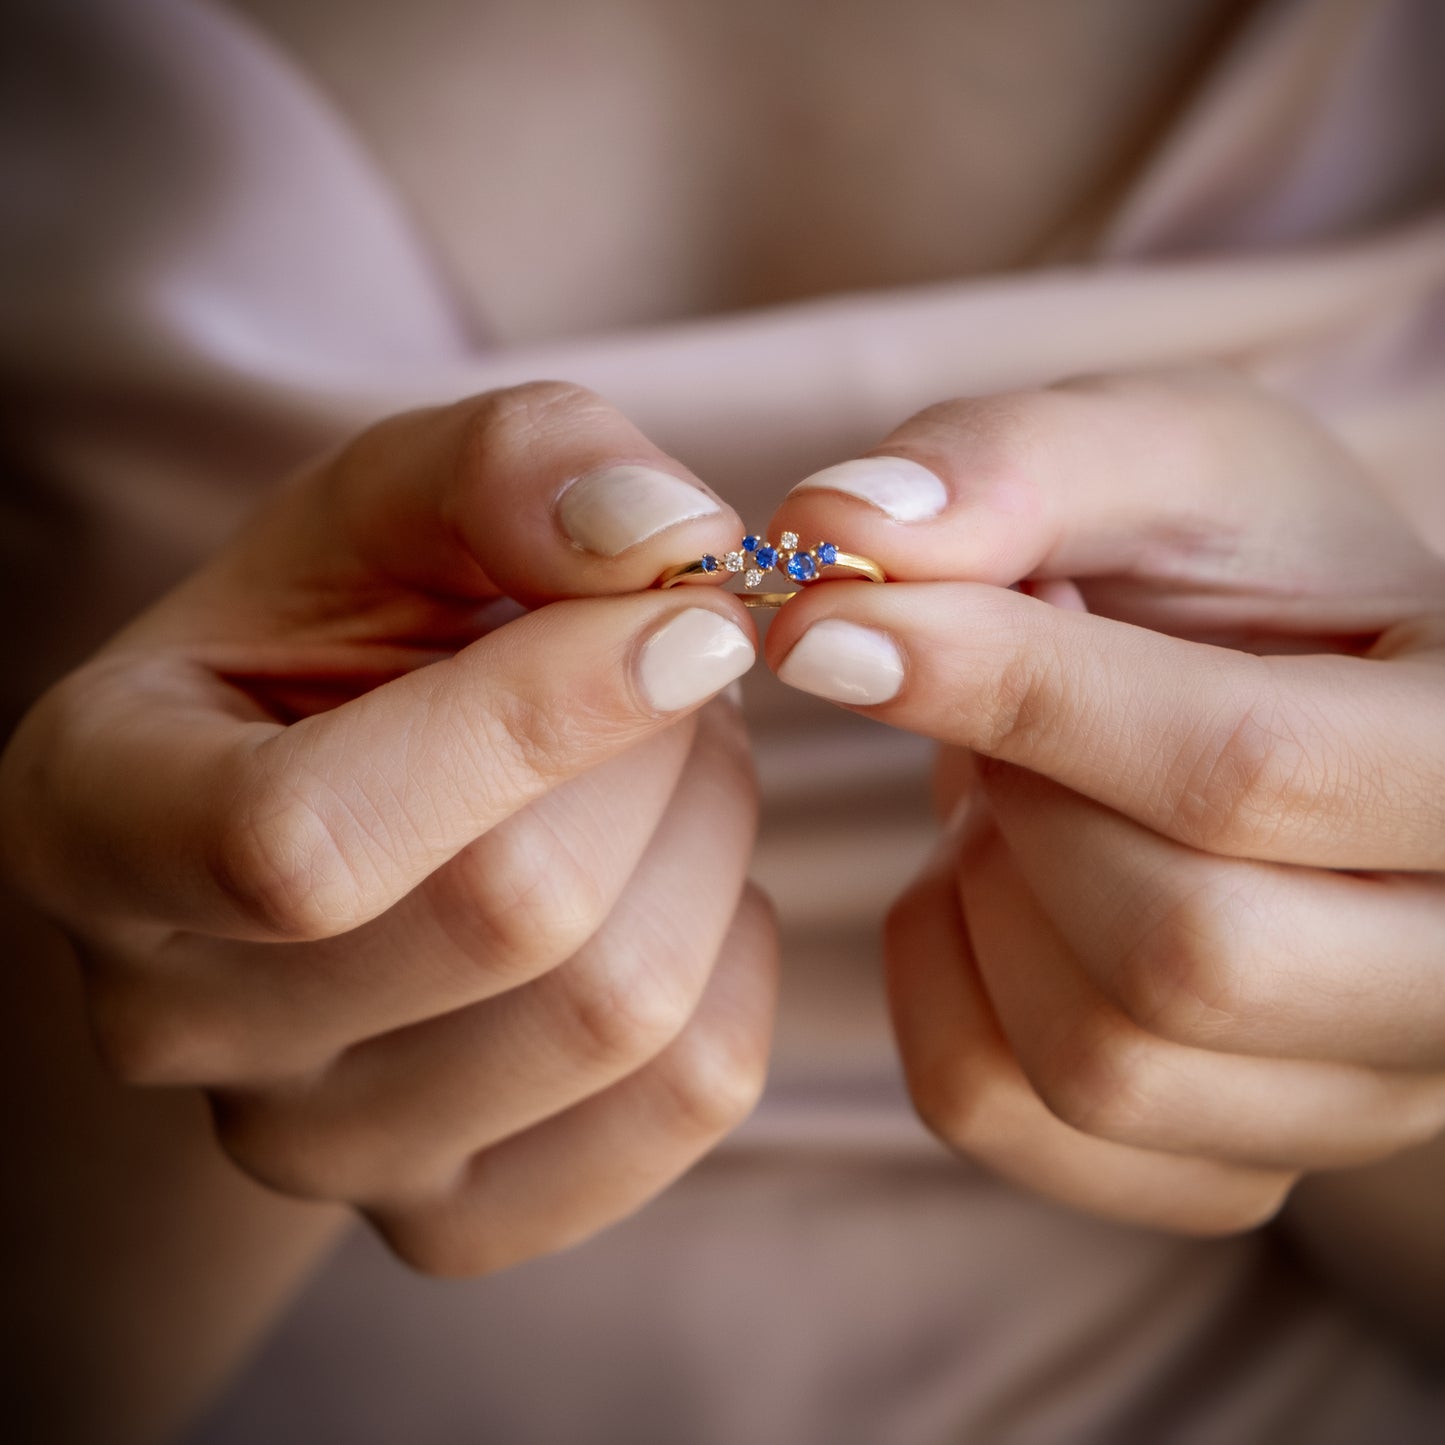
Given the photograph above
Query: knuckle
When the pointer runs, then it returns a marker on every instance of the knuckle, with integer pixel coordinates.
(967, 1097)
(948, 1098)
(278, 861)
(1020, 697)
(1259, 763)
(440, 1242)
(268, 1140)
(529, 746)
(714, 1076)
(1188, 977)
(1099, 1081)
(148, 1034)
(622, 1015)
(523, 896)
(149, 1047)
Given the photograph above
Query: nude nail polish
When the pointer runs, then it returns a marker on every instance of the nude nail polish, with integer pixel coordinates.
(844, 663)
(609, 511)
(899, 488)
(690, 657)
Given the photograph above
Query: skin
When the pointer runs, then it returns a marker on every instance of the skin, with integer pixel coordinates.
(147, 1219)
(447, 922)
(1179, 943)
(348, 846)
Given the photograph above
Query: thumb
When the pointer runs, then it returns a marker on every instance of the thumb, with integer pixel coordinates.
(536, 492)
(1190, 501)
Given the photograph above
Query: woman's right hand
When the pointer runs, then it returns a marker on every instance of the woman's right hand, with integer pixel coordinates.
(443, 906)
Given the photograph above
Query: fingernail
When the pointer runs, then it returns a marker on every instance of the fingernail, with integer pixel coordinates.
(608, 512)
(694, 655)
(844, 663)
(902, 489)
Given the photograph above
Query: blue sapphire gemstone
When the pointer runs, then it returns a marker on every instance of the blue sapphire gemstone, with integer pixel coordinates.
(765, 556)
(750, 543)
(708, 562)
(827, 553)
(801, 567)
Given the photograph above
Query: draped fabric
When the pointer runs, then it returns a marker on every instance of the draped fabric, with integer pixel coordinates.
(210, 277)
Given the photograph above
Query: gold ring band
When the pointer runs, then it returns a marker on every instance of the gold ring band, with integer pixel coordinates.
(757, 557)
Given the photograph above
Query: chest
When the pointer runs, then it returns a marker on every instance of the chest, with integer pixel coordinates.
(582, 165)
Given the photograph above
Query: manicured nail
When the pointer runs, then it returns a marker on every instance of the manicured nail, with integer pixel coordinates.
(902, 489)
(844, 663)
(610, 511)
(692, 656)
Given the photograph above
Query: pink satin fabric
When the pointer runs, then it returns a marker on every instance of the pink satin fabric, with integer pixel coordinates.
(229, 283)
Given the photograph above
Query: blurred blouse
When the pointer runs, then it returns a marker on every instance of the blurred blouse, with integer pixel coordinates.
(220, 261)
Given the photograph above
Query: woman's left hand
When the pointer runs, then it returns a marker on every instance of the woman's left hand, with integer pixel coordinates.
(1184, 937)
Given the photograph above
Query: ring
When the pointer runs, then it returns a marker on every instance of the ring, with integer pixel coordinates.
(756, 557)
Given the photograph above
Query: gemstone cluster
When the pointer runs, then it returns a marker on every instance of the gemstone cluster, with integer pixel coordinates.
(758, 556)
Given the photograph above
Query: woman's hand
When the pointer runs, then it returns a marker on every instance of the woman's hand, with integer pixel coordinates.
(1183, 937)
(443, 905)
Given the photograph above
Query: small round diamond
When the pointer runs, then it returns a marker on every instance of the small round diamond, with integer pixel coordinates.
(753, 577)
(750, 543)
(801, 567)
(766, 556)
(708, 563)
(827, 553)
(733, 561)
(790, 541)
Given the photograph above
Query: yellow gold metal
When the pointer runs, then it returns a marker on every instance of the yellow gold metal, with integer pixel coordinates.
(862, 566)
(844, 565)
(683, 570)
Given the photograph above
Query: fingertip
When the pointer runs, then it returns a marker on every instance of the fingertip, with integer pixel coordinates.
(622, 526)
(844, 661)
(559, 495)
(619, 530)
(867, 504)
(696, 653)
(897, 487)
(920, 513)
(610, 511)
(938, 657)
(841, 641)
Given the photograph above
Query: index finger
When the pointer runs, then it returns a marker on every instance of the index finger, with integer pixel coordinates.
(1326, 760)
(140, 784)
